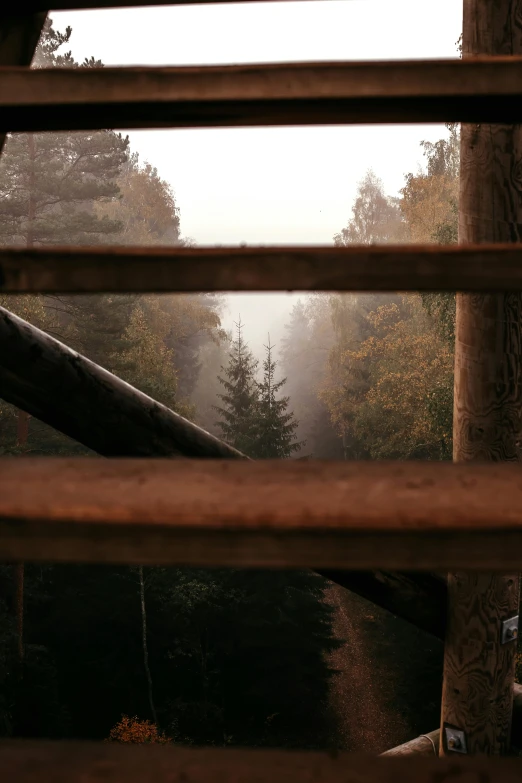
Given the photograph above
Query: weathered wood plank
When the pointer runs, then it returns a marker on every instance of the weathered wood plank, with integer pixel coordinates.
(477, 695)
(275, 94)
(388, 268)
(62, 762)
(357, 516)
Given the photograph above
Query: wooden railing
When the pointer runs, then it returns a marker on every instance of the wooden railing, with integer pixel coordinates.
(430, 517)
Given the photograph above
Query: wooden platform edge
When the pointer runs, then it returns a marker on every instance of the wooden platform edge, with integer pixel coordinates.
(62, 762)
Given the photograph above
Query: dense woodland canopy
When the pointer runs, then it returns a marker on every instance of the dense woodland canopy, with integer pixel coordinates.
(234, 657)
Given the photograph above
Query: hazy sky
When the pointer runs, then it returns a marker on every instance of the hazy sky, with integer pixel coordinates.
(271, 185)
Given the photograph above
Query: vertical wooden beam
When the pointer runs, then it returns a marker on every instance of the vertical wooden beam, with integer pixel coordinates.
(478, 680)
(19, 36)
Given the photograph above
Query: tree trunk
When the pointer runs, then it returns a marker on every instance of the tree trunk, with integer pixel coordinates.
(145, 648)
(19, 582)
(478, 668)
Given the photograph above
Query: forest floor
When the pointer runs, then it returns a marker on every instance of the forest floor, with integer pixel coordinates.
(389, 685)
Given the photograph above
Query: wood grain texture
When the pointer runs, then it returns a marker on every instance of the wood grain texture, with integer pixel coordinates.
(428, 744)
(479, 670)
(388, 268)
(323, 515)
(424, 745)
(275, 94)
(62, 762)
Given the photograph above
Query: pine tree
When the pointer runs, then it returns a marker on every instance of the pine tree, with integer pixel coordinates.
(50, 181)
(275, 427)
(240, 398)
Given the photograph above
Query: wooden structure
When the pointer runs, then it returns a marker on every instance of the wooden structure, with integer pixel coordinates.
(348, 520)
(479, 661)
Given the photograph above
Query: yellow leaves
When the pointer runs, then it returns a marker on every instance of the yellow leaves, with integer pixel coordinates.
(408, 361)
(30, 307)
(135, 731)
(146, 207)
(378, 387)
(427, 203)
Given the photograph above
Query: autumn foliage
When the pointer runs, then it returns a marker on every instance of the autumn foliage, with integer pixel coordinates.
(137, 732)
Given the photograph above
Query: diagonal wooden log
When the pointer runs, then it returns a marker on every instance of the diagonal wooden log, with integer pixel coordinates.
(51, 382)
(418, 598)
(429, 744)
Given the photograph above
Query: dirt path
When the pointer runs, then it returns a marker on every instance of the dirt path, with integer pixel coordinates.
(387, 691)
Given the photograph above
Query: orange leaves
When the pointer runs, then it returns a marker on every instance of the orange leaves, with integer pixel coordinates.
(137, 732)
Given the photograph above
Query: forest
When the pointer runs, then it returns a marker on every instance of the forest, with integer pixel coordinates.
(197, 656)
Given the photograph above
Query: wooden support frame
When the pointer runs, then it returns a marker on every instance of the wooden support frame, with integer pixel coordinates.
(323, 515)
(481, 90)
(65, 762)
(185, 270)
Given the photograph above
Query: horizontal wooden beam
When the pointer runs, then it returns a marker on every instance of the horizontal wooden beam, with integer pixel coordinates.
(325, 515)
(420, 599)
(358, 268)
(474, 90)
(64, 762)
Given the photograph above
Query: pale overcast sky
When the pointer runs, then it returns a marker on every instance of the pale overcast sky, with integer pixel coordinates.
(271, 185)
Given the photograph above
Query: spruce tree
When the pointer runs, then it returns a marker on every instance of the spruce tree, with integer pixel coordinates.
(239, 410)
(275, 426)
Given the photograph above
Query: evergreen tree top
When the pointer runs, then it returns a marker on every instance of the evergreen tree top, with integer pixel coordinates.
(240, 396)
(276, 426)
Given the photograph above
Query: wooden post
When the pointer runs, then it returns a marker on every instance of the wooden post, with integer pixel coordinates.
(477, 695)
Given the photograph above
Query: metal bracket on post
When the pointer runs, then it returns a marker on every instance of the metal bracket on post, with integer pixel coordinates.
(455, 740)
(509, 630)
